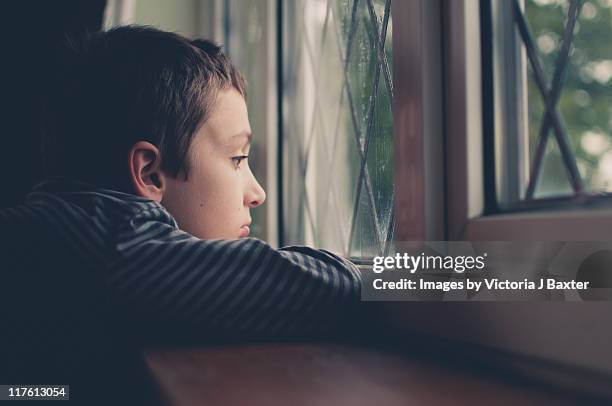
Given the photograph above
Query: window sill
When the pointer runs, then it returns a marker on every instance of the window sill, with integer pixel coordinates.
(551, 225)
(330, 374)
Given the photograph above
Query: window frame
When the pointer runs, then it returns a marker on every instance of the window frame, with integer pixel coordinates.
(418, 105)
(466, 93)
(418, 121)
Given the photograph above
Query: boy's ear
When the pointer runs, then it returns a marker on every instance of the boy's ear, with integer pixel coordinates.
(146, 176)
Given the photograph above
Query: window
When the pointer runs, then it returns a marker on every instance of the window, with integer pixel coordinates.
(554, 78)
(492, 99)
(338, 124)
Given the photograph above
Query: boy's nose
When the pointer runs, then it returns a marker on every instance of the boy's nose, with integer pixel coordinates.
(257, 195)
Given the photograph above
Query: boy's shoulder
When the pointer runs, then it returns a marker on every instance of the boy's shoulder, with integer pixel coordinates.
(81, 199)
(81, 215)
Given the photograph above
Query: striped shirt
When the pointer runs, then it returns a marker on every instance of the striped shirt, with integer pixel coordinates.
(161, 279)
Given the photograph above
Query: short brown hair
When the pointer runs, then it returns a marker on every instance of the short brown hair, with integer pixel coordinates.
(129, 84)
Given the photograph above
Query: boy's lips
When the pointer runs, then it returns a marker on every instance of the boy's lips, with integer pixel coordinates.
(245, 230)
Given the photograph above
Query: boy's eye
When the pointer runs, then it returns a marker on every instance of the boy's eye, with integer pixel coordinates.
(238, 159)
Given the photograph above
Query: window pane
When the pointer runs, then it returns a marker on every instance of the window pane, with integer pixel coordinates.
(586, 101)
(338, 124)
(584, 105)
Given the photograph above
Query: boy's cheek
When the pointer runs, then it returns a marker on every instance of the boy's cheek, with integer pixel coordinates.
(211, 219)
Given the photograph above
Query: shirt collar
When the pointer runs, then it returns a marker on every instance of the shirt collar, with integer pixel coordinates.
(63, 185)
(87, 195)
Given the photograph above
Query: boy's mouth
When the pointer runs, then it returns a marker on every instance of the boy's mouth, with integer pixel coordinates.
(245, 230)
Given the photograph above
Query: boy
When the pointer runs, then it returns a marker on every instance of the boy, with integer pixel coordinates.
(143, 225)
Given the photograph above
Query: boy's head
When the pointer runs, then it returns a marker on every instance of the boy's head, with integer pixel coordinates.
(158, 115)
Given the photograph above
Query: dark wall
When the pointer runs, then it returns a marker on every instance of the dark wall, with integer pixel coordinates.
(31, 30)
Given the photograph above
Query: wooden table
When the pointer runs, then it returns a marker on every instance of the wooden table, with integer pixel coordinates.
(331, 374)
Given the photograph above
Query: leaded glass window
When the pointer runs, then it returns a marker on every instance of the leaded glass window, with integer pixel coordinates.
(563, 76)
(337, 124)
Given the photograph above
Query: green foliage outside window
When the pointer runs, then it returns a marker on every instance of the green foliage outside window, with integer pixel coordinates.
(586, 100)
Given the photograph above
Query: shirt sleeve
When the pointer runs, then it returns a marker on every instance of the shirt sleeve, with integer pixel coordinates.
(229, 288)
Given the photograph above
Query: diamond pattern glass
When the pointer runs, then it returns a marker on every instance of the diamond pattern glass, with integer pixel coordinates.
(569, 94)
(338, 125)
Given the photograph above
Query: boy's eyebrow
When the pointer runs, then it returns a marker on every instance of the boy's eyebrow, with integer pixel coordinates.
(246, 134)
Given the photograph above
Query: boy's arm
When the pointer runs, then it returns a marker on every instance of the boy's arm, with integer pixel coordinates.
(230, 288)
